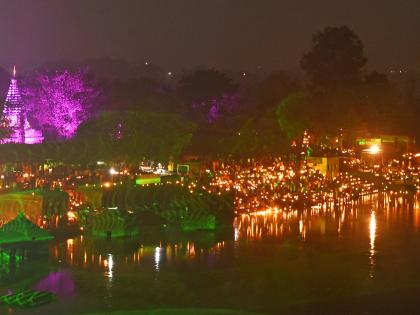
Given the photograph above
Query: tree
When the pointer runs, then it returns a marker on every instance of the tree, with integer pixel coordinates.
(140, 95)
(272, 90)
(294, 114)
(260, 135)
(208, 94)
(130, 136)
(60, 101)
(379, 103)
(336, 58)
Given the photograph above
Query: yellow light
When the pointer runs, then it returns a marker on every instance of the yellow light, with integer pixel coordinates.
(71, 216)
(374, 149)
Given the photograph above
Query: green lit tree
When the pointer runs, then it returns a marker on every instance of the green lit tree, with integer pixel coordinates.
(295, 114)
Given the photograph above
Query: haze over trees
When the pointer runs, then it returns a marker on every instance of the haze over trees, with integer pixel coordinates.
(340, 94)
(132, 136)
(208, 94)
(213, 114)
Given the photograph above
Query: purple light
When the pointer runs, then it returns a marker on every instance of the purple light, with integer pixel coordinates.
(217, 108)
(15, 117)
(214, 113)
(61, 101)
(60, 283)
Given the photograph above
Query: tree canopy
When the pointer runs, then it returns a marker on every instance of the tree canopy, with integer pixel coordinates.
(207, 93)
(132, 136)
(336, 58)
(58, 102)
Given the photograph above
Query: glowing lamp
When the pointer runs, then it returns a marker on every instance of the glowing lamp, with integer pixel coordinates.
(71, 216)
(374, 149)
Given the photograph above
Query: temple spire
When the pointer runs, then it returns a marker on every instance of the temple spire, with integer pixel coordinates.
(15, 116)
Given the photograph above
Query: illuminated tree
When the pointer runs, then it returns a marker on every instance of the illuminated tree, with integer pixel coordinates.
(294, 114)
(59, 102)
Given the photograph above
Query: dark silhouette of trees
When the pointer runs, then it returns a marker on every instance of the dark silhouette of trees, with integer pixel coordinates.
(336, 58)
(208, 94)
(271, 90)
(131, 136)
(379, 103)
(140, 95)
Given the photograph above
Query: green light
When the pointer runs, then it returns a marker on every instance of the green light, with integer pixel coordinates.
(205, 223)
(28, 298)
(183, 169)
(147, 180)
(22, 230)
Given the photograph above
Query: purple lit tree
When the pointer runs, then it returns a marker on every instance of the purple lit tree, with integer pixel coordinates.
(60, 101)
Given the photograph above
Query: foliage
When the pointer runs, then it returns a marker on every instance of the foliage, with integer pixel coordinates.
(336, 58)
(140, 95)
(208, 93)
(260, 135)
(271, 90)
(294, 114)
(133, 135)
(60, 101)
(379, 103)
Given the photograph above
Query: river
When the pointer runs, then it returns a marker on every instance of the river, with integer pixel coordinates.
(363, 258)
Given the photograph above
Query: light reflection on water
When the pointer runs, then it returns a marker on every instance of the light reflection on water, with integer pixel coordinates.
(372, 235)
(259, 226)
(360, 232)
(157, 258)
(109, 265)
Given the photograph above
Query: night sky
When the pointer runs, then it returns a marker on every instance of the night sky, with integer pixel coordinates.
(178, 34)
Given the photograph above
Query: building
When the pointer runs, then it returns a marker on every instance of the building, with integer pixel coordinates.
(328, 166)
(389, 146)
(15, 117)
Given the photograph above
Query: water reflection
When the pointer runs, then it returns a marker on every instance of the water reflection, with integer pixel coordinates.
(316, 240)
(157, 258)
(276, 223)
(372, 235)
(109, 265)
(59, 282)
(340, 223)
